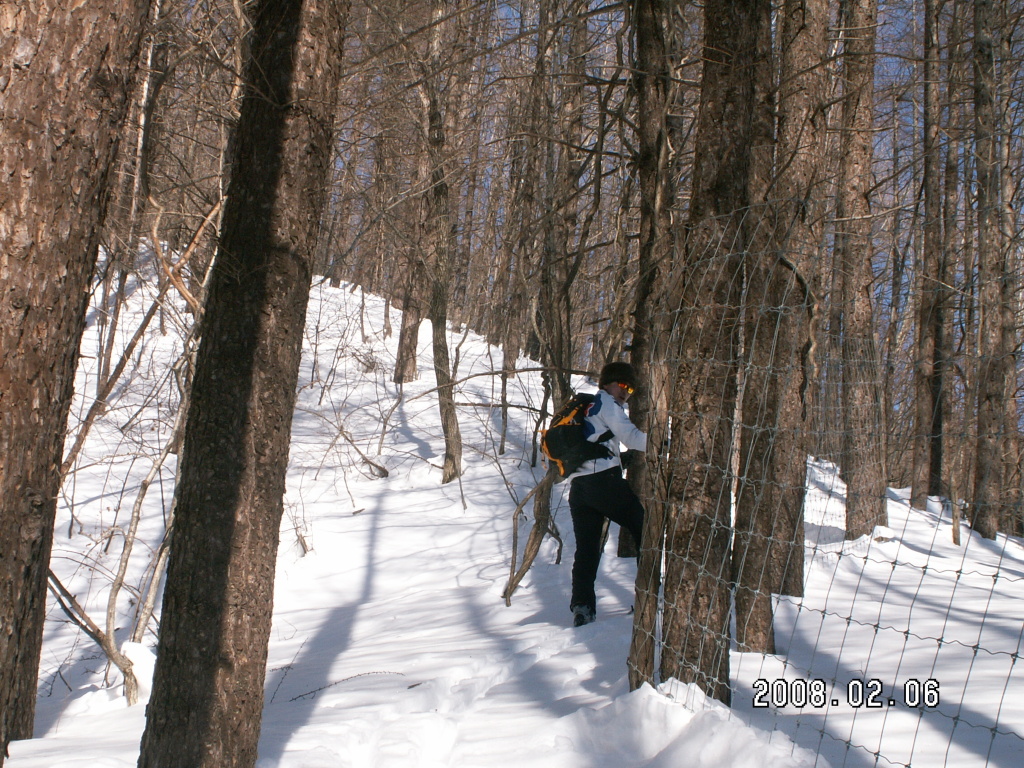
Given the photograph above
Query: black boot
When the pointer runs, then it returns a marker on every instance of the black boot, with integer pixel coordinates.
(582, 614)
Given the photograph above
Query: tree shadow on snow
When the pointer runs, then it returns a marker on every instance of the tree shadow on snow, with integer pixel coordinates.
(967, 727)
(290, 693)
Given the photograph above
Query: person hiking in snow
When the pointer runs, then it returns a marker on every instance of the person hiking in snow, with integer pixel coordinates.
(598, 489)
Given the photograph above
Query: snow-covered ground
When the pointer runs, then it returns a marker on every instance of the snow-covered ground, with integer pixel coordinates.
(392, 645)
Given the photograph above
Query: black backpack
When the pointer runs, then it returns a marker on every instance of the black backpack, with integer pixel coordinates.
(564, 443)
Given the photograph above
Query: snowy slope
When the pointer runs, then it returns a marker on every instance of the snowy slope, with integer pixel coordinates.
(392, 646)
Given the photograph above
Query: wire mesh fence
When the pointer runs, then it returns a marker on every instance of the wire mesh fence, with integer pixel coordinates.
(791, 576)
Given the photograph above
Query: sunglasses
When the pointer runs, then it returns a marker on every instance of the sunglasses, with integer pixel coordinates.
(627, 388)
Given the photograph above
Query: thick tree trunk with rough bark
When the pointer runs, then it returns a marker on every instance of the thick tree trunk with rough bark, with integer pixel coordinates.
(863, 451)
(64, 94)
(698, 574)
(207, 698)
(648, 408)
(779, 373)
(996, 364)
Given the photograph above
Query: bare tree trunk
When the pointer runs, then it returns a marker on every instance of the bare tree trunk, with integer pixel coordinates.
(546, 198)
(706, 350)
(110, 315)
(862, 464)
(539, 246)
(207, 698)
(959, 297)
(440, 234)
(994, 282)
(562, 239)
(894, 351)
(1012, 520)
(63, 97)
(781, 310)
(133, 191)
(929, 370)
(406, 367)
(649, 405)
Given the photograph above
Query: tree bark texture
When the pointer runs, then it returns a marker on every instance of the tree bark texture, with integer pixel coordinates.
(414, 288)
(207, 695)
(957, 465)
(649, 405)
(406, 364)
(561, 240)
(706, 351)
(439, 230)
(930, 365)
(546, 168)
(862, 465)
(64, 93)
(781, 310)
(996, 365)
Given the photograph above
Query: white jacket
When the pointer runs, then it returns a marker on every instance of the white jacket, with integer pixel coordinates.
(607, 415)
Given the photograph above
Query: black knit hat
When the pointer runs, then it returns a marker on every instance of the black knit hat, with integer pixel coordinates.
(617, 372)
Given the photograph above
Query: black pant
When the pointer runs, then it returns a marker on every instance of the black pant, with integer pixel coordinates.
(592, 498)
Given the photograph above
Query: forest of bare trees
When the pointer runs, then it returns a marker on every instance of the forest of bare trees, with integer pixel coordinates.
(798, 219)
